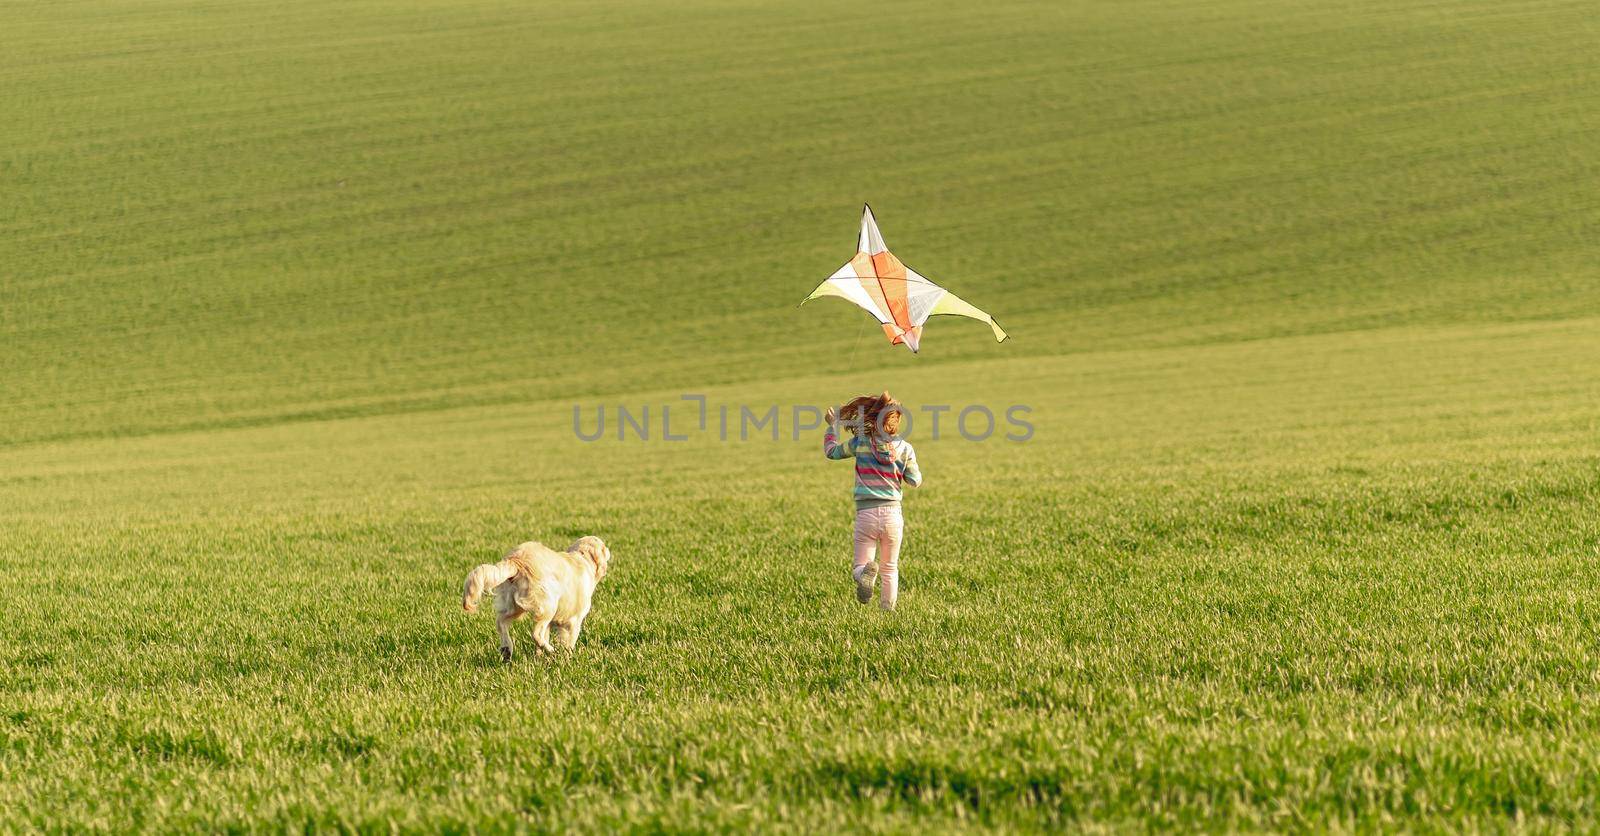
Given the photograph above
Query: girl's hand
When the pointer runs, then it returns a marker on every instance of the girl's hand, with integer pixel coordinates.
(831, 416)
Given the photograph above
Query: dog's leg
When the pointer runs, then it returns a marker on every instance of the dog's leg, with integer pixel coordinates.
(569, 636)
(504, 623)
(559, 632)
(541, 635)
(574, 627)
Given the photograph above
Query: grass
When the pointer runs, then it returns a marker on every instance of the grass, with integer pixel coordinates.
(297, 299)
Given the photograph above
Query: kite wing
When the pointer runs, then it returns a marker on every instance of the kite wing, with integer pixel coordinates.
(897, 296)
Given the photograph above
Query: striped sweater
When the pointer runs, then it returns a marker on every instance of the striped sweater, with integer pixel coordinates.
(878, 479)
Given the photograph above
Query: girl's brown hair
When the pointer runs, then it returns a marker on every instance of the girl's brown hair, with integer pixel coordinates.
(880, 412)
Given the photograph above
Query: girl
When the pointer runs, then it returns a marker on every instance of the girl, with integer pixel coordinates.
(883, 463)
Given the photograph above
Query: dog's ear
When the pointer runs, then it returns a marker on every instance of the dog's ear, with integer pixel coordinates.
(593, 550)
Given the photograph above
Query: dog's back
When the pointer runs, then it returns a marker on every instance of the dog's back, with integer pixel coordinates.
(528, 590)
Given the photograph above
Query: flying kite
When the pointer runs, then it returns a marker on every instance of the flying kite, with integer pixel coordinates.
(900, 298)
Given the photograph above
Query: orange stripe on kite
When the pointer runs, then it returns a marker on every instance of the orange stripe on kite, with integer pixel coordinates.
(892, 279)
(866, 272)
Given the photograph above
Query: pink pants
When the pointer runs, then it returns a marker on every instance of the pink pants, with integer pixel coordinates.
(879, 529)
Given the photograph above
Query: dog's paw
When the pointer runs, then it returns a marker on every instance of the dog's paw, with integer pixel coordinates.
(505, 655)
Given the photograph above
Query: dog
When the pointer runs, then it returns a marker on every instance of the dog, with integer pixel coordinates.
(556, 588)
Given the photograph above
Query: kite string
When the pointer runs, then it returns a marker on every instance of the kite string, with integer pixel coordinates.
(859, 331)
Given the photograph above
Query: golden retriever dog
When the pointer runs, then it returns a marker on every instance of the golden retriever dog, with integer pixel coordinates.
(556, 588)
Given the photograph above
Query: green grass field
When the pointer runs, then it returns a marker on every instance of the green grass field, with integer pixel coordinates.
(296, 300)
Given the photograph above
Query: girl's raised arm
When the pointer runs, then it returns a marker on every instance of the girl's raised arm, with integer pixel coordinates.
(830, 439)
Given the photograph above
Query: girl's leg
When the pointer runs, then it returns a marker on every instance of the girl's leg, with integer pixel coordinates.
(889, 555)
(866, 541)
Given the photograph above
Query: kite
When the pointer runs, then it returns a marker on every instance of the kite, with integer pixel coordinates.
(900, 298)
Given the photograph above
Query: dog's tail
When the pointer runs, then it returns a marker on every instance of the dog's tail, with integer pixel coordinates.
(483, 579)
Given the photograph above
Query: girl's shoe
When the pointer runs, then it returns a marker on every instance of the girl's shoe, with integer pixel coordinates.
(865, 574)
